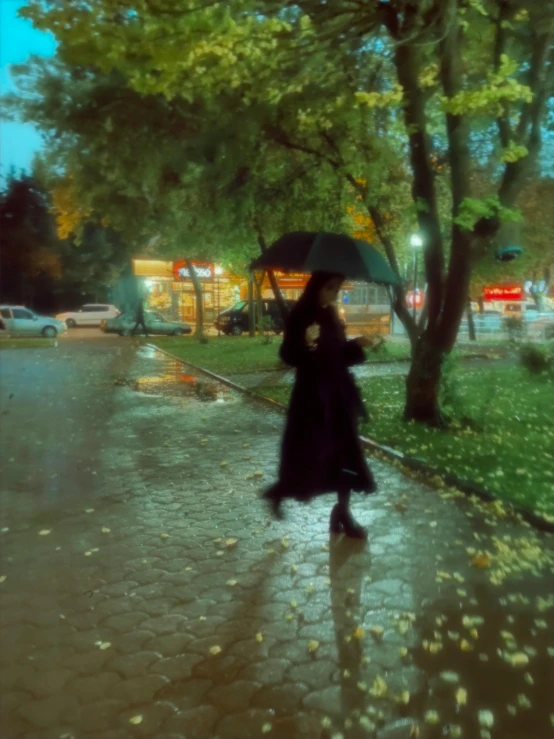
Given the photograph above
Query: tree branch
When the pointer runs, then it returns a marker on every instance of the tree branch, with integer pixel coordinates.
(279, 136)
(408, 67)
(502, 121)
(528, 133)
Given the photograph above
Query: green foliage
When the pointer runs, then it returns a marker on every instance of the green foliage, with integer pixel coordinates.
(473, 210)
(536, 359)
(513, 152)
(490, 98)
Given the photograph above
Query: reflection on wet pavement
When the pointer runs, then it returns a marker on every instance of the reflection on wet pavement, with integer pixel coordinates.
(152, 597)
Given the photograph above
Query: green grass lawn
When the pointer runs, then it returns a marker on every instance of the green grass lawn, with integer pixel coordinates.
(243, 355)
(512, 456)
(26, 343)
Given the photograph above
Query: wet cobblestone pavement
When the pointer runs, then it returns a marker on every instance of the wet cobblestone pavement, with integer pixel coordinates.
(145, 593)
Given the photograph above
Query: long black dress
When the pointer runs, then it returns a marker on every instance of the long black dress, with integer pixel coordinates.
(321, 451)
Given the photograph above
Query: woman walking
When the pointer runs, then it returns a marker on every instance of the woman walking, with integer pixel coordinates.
(321, 451)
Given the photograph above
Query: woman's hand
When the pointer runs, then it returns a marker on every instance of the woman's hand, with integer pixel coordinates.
(312, 335)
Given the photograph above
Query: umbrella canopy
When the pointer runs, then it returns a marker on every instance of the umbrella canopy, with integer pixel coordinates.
(309, 251)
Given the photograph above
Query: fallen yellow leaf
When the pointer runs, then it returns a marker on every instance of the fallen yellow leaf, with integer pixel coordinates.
(461, 697)
(432, 717)
(45, 532)
(486, 719)
(259, 637)
(481, 560)
(135, 720)
(379, 688)
(215, 650)
(313, 645)
(519, 659)
(404, 697)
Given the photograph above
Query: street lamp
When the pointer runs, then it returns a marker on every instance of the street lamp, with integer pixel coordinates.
(416, 242)
(218, 272)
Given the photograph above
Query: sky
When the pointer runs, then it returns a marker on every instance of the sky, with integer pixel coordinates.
(18, 39)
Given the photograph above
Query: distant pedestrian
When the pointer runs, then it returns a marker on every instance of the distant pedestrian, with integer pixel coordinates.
(140, 319)
(321, 451)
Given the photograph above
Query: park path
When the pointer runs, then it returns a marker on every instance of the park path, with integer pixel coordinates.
(261, 380)
(145, 592)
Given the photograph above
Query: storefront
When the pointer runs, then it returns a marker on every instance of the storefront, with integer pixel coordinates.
(168, 288)
(500, 297)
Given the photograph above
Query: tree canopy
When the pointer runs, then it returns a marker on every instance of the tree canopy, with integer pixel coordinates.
(402, 100)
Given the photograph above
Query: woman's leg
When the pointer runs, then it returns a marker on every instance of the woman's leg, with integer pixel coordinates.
(274, 496)
(342, 513)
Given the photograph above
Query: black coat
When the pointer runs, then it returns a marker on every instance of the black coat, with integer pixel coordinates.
(321, 450)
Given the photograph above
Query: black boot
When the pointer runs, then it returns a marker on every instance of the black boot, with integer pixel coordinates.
(335, 524)
(274, 498)
(350, 526)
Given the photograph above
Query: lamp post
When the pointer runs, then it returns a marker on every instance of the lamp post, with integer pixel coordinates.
(218, 272)
(416, 242)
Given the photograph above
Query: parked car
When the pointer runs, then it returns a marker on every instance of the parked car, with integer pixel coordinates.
(155, 323)
(234, 321)
(91, 314)
(17, 320)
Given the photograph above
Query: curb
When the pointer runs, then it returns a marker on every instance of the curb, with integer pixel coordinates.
(417, 465)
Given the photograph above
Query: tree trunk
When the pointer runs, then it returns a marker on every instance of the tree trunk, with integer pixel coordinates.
(251, 317)
(259, 307)
(272, 279)
(423, 384)
(199, 300)
(470, 322)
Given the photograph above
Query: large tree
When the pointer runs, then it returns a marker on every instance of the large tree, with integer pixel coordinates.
(43, 264)
(374, 92)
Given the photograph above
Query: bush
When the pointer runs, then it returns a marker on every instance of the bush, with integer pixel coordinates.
(536, 359)
(265, 327)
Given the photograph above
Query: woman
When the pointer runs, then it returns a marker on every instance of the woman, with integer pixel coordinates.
(321, 451)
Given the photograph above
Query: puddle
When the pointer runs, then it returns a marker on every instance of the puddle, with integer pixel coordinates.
(175, 379)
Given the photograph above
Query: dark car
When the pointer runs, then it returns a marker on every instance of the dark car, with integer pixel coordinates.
(234, 321)
(155, 323)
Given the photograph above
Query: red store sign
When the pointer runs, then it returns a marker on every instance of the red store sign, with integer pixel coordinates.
(204, 270)
(503, 293)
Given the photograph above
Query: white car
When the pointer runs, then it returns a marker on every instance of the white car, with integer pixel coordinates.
(91, 314)
(17, 320)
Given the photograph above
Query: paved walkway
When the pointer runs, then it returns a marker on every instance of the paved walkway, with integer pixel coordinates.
(260, 380)
(145, 593)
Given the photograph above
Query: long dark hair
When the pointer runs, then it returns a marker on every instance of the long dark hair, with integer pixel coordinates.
(308, 303)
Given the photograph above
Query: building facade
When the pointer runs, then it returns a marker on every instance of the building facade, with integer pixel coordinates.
(166, 287)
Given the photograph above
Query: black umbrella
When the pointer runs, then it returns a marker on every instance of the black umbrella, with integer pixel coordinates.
(309, 251)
